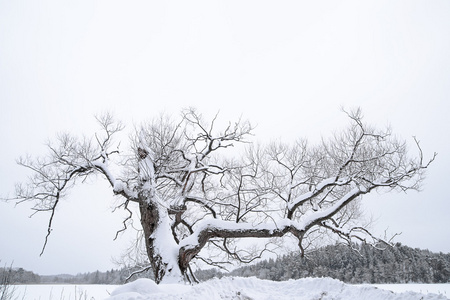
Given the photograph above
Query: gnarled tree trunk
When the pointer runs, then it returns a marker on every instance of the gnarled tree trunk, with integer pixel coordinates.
(161, 247)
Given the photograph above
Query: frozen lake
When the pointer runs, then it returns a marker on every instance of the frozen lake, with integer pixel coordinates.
(99, 292)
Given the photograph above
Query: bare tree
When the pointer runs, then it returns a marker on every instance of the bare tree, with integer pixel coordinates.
(190, 197)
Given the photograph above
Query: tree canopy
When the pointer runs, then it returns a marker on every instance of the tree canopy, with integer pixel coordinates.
(192, 194)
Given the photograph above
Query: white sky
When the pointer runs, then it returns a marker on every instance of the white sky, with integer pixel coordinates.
(287, 66)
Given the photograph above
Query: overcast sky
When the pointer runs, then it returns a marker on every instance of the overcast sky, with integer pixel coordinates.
(287, 66)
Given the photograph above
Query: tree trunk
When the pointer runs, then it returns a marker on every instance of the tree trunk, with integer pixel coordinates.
(162, 250)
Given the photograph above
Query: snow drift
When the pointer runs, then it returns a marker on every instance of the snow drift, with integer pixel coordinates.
(253, 288)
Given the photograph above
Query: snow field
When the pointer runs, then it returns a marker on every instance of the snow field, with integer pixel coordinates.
(63, 291)
(235, 288)
(253, 288)
(436, 288)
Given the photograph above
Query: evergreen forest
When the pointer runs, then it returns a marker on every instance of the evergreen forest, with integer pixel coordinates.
(358, 264)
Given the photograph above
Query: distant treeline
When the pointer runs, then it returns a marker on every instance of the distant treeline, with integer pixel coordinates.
(362, 264)
(21, 276)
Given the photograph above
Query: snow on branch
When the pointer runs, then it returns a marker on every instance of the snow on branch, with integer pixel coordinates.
(69, 160)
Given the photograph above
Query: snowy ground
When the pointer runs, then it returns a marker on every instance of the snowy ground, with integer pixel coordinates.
(436, 288)
(252, 288)
(63, 291)
(238, 288)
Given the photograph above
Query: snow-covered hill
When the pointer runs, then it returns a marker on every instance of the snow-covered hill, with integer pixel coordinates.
(253, 288)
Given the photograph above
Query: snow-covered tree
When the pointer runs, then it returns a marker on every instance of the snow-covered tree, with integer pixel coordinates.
(191, 195)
